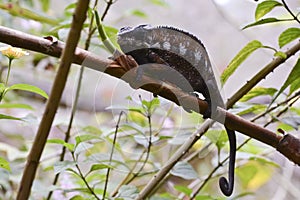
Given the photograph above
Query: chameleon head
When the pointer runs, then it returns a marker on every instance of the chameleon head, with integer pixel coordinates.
(132, 38)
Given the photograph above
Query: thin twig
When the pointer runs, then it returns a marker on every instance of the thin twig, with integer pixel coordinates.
(279, 104)
(108, 5)
(82, 177)
(283, 110)
(289, 10)
(111, 155)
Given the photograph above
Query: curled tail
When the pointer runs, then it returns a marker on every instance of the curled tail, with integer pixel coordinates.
(227, 185)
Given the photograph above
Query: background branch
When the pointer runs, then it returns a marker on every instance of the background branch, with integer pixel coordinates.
(53, 101)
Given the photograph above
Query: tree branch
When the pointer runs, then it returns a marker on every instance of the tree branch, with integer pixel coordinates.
(53, 101)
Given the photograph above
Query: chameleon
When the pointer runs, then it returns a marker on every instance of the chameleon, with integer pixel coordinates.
(179, 58)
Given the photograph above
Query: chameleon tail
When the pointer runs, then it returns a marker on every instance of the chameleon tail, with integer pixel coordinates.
(225, 185)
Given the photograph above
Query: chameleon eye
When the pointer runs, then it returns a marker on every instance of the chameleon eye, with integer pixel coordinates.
(143, 26)
(125, 29)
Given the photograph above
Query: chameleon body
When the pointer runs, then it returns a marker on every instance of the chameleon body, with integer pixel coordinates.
(179, 58)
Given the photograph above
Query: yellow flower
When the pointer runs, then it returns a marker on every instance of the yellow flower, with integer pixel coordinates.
(13, 52)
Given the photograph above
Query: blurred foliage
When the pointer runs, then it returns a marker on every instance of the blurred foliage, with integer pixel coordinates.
(149, 131)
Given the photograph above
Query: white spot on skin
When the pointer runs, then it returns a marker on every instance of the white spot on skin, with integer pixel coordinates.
(182, 49)
(156, 45)
(149, 38)
(198, 55)
(166, 45)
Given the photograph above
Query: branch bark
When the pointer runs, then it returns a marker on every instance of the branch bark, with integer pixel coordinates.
(53, 101)
(169, 92)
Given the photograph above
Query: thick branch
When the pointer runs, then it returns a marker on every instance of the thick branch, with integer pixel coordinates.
(53, 101)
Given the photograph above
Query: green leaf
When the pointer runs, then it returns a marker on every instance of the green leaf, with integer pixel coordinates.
(78, 197)
(244, 194)
(127, 192)
(99, 167)
(293, 76)
(218, 137)
(62, 142)
(82, 147)
(293, 121)
(133, 126)
(4, 164)
(144, 140)
(256, 108)
(239, 59)
(288, 36)
(280, 54)
(92, 129)
(29, 88)
(264, 161)
(2, 88)
(204, 197)
(263, 21)
(71, 6)
(62, 166)
(265, 7)
(252, 148)
(294, 86)
(151, 105)
(86, 137)
(45, 5)
(137, 119)
(11, 105)
(254, 174)
(159, 2)
(187, 191)
(184, 170)
(138, 13)
(16, 10)
(2, 116)
(258, 91)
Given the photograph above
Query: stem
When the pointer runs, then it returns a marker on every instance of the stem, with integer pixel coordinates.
(289, 10)
(108, 5)
(8, 72)
(128, 179)
(135, 174)
(111, 155)
(282, 111)
(106, 41)
(83, 178)
(296, 95)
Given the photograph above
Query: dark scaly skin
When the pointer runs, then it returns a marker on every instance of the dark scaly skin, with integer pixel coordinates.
(178, 57)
